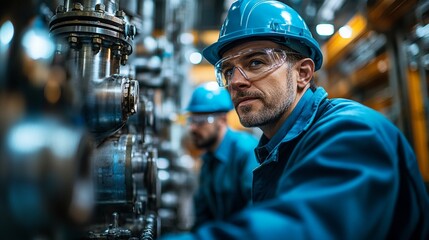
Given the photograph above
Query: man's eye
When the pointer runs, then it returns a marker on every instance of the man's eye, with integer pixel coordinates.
(228, 72)
(255, 63)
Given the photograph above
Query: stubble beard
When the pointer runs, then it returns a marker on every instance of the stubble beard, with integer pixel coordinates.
(204, 143)
(271, 111)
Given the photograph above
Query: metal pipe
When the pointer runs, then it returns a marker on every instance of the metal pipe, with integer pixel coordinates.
(112, 171)
(49, 172)
(96, 40)
(110, 6)
(151, 181)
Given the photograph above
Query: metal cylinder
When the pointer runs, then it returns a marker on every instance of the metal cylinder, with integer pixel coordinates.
(151, 181)
(91, 26)
(95, 39)
(112, 101)
(48, 172)
(113, 174)
(115, 163)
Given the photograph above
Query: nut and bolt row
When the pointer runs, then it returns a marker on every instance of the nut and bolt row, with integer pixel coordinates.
(99, 7)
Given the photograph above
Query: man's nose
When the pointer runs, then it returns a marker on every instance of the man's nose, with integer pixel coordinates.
(238, 78)
(193, 126)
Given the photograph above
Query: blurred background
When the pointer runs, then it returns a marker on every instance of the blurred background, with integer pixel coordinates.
(93, 140)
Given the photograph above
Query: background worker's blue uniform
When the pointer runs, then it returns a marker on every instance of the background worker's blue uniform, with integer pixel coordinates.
(226, 177)
(335, 170)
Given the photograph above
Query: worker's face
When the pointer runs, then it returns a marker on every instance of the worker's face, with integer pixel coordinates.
(261, 102)
(204, 129)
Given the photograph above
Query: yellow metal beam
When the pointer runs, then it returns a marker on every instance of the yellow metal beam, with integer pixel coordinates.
(418, 120)
(337, 46)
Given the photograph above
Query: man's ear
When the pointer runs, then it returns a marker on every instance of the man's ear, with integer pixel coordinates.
(305, 69)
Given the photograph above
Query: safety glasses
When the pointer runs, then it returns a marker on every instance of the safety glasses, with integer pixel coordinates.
(201, 119)
(253, 64)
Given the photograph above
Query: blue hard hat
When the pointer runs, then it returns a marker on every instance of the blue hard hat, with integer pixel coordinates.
(265, 19)
(209, 97)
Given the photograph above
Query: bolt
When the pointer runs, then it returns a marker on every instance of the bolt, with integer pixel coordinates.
(117, 53)
(130, 97)
(73, 40)
(117, 50)
(60, 9)
(124, 59)
(100, 7)
(129, 49)
(138, 207)
(132, 30)
(115, 219)
(133, 96)
(120, 14)
(96, 43)
(77, 6)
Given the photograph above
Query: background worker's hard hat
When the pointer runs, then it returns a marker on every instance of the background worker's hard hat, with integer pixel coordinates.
(266, 19)
(209, 97)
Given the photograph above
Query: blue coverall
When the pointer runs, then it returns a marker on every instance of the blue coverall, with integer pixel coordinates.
(226, 178)
(335, 170)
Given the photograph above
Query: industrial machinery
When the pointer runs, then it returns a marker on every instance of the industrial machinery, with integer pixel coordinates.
(89, 99)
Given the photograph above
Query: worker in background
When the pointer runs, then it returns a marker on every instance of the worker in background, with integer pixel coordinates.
(225, 179)
(329, 168)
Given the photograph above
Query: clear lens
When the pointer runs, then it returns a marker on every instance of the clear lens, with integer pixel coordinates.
(252, 64)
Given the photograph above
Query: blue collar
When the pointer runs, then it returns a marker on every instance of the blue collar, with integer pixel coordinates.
(299, 120)
(223, 150)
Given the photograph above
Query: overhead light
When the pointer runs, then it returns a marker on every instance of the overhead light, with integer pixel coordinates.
(346, 31)
(6, 32)
(37, 44)
(325, 29)
(329, 7)
(195, 57)
(186, 38)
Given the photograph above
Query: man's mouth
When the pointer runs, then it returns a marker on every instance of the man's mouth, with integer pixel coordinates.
(195, 135)
(246, 100)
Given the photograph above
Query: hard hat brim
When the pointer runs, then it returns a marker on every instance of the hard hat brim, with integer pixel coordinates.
(212, 52)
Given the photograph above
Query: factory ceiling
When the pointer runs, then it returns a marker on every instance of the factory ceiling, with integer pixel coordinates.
(210, 14)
